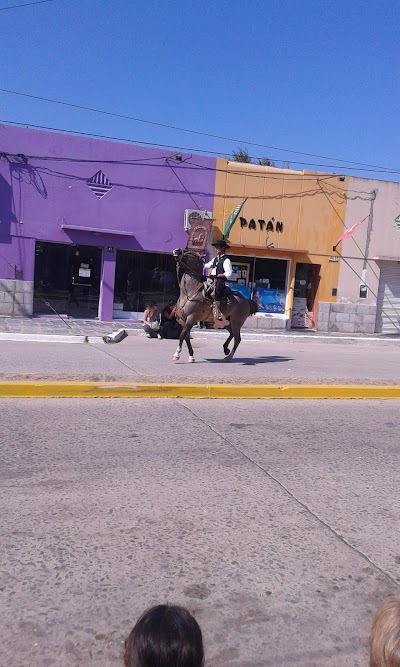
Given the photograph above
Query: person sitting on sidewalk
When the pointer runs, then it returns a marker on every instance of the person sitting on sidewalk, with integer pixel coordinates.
(151, 321)
(169, 326)
(165, 636)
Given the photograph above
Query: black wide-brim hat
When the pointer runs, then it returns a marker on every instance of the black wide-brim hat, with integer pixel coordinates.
(221, 244)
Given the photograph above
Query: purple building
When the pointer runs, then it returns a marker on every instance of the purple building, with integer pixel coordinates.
(87, 226)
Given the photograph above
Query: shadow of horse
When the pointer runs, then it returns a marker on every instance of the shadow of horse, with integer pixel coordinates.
(253, 361)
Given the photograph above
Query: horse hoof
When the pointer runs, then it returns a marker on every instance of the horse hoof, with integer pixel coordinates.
(228, 358)
(176, 357)
(191, 360)
(227, 351)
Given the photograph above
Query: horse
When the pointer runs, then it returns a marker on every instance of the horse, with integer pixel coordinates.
(193, 306)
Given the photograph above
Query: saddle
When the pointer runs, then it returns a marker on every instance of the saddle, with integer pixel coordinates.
(209, 291)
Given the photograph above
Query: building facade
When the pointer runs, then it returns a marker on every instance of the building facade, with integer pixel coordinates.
(87, 229)
(283, 239)
(368, 297)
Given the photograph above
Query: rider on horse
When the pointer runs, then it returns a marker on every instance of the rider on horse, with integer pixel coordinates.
(221, 270)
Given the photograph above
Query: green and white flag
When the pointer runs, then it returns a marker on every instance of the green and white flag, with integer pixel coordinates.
(229, 222)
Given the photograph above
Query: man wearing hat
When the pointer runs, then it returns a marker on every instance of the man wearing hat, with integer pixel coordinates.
(221, 270)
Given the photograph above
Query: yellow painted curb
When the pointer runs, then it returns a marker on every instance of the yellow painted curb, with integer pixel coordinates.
(130, 390)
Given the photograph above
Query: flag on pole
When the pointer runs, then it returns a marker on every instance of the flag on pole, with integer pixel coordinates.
(349, 232)
(231, 219)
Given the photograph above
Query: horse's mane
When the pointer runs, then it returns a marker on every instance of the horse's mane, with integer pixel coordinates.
(192, 253)
(191, 262)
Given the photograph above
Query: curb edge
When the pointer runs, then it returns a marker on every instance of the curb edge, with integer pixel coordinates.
(43, 389)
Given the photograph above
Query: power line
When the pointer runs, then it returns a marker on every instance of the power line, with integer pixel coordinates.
(179, 148)
(192, 166)
(198, 132)
(26, 4)
(82, 181)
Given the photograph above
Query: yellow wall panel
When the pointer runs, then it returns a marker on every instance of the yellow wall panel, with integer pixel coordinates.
(310, 205)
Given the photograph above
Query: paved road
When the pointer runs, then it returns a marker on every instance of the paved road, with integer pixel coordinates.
(277, 523)
(273, 360)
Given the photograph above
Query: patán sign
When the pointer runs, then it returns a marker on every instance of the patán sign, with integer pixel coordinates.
(270, 226)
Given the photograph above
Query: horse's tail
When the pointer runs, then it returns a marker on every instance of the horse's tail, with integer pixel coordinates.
(253, 307)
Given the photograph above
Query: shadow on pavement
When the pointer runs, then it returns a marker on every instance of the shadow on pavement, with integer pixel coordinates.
(252, 361)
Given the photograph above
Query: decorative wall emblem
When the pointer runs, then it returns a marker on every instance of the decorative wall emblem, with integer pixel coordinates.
(99, 184)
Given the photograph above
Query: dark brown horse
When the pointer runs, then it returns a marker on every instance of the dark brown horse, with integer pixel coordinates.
(194, 307)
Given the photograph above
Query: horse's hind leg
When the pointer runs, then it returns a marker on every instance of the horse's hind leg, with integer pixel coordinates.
(236, 341)
(228, 340)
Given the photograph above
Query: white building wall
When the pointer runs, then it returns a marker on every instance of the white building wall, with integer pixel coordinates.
(352, 314)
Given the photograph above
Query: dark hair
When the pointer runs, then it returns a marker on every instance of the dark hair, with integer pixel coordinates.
(165, 636)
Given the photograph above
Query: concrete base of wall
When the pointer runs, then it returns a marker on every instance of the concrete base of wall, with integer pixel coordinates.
(346, 317)
(16, 298)
(265, 322)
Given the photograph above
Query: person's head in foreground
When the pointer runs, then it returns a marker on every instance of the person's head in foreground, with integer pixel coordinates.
(384, 643)
(165, 636)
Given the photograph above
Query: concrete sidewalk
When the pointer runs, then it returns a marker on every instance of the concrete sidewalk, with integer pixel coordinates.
(280, 360)
(62, 329)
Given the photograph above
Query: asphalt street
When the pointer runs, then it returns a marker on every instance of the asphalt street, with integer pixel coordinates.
(277, 523)
(283, 360)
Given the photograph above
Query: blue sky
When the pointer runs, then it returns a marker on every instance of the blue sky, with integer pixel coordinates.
(314, 76)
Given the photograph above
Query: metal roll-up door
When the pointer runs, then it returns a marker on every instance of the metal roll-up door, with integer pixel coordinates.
(388, 305)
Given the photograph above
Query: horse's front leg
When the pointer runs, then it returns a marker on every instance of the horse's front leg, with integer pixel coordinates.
(185, 336)
(177, 354)
(190, 322)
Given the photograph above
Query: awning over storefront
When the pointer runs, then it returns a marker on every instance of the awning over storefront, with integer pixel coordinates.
(95, 230)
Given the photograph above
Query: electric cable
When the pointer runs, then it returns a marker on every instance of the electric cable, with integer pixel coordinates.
(180, 148)
(26, 4)
(198, 132)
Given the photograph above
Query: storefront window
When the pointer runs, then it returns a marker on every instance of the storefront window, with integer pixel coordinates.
(67, 277)
(141, 277)
(263, 279)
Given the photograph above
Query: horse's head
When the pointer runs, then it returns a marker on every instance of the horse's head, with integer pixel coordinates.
(189, 262)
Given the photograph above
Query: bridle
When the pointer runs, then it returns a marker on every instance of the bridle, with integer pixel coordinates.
(182, 264)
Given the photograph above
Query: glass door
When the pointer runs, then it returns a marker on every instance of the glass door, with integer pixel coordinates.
(306, 284)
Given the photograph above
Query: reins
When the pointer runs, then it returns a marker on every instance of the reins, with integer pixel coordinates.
(181, 264)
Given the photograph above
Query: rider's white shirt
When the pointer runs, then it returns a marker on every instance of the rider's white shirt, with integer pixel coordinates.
(227, 267)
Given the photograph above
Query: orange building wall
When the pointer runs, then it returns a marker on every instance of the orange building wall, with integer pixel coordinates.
(312, 220)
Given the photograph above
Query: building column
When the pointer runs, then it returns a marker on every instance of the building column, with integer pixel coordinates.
(290, 294)
(107, 283)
